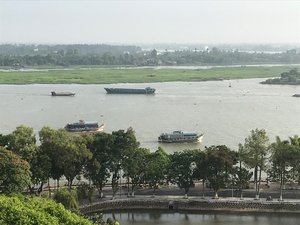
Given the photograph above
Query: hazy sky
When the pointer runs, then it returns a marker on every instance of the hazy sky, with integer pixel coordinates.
(139, 21)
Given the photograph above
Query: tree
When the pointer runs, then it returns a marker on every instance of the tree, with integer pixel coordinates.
(86, 191)
(200, 172)
(68, 198)
(182, 169)
(15, 172)
(241, 178)
(22, 142)
(68, 154)
(3, 140)
(241, 175)
(40, 167)
(134, 167)
(28, 211)
(98, 219)
(156, 168)
(75, 158)
(255, 153)
(295, 164)
(124, 144)
(53, 144)
(153, 53)
(97, 167)
(281, 158)
(219, 161)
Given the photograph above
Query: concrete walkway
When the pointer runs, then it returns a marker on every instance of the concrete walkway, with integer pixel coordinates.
(173, 192)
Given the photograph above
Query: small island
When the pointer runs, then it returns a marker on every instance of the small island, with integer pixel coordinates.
(291, 78)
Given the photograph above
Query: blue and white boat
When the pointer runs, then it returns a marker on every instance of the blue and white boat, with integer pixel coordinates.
(84, 126)
(180, 137)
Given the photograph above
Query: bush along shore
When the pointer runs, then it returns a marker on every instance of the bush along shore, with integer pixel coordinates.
(290, 78)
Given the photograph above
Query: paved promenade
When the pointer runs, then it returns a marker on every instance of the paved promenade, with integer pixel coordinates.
(172, 198)
(290, 194)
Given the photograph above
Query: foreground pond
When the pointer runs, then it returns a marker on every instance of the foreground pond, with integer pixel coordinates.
(139, 217)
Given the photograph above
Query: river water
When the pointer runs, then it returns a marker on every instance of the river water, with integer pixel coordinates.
(203, 217)
(225, 114)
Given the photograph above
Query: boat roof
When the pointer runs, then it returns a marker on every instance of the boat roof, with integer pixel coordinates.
(176, 132)
(84, 123)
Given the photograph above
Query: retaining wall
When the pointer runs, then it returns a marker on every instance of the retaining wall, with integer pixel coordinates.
(191, 204)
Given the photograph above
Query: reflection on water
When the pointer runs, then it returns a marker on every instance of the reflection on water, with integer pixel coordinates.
(139, 217)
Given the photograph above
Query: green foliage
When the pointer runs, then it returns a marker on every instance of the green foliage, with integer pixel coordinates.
(124, 143)
(255, 148)
(99, 155)
(97, 168)
(18, 57)
(29, 211)
(85, 191)
(91, 193)
(282, 161)
(156, 168)
(40, 167)
(254, 154)
(291, 77)
(98, 219)
(3, 140)
(134, 166)
(68, 198)
(22, 141)
(183, 168)
(241, 177)
(15, 172)
(68, 154)
(219, 161)
(295, 164)
(146, 75)
(78, 155)
(53, 144)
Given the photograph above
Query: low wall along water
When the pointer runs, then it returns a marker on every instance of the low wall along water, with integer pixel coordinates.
(190, 204)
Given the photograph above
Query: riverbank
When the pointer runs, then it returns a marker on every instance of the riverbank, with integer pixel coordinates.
(192, 204)
(171, 198)
(140, 75)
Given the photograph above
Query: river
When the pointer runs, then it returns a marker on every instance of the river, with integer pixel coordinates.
(225, 114)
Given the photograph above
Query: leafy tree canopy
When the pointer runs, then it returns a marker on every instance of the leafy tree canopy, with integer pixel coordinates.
(22, 141)
(21, 211)
(15, 173)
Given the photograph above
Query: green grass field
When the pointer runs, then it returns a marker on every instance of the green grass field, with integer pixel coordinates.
(138, 75)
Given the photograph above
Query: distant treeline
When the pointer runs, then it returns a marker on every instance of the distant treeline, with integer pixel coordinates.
(18, 56)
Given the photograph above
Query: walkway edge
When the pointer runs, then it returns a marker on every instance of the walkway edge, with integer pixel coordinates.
(192, 204)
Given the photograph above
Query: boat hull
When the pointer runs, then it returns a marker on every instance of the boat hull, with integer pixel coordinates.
(180, 137)
(84, 127)
(296, 95)
(54, 93)
(147, 90)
